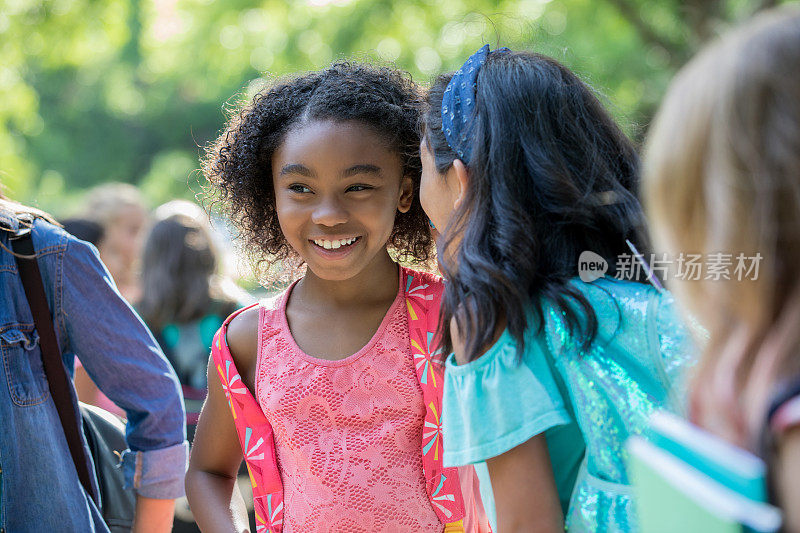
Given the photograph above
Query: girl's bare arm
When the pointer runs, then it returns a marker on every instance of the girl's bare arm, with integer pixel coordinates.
(153, 515)
(524, 490)
(525, 493)
(216, 453)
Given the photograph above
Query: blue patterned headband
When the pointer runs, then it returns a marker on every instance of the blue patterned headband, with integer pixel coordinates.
(458, 104)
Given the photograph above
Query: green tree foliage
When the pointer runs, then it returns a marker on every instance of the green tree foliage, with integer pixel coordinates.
(130, 90)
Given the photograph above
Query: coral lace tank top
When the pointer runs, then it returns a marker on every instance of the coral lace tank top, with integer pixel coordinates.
(347, 432)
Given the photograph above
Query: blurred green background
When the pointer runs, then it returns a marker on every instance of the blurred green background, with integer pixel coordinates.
(93, 91)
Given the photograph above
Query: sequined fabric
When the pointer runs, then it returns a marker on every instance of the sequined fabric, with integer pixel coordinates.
(636, 366)
(592, 400)
(599, 505)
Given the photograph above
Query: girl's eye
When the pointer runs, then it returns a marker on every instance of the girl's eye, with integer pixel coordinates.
(359, 188)
(299, 188)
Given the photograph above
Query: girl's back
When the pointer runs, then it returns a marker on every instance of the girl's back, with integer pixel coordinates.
(587, 402)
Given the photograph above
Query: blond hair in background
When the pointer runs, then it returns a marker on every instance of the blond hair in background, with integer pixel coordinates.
(104, 202)
(10, 208)
(722, 174)
(121, 210)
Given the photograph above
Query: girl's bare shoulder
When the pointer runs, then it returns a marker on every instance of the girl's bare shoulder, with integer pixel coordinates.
(242, 338)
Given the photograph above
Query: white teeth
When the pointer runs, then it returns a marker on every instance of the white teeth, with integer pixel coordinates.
(333, 245)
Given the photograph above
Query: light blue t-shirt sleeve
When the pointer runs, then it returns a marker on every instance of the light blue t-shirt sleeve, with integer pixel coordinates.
(498, 401)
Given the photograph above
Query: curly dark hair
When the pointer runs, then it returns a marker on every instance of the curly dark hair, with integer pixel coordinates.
(238, 166)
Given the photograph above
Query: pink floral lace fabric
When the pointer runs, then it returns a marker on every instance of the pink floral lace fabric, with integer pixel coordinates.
(348, 432)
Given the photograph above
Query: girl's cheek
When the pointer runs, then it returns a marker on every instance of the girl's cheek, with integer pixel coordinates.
(423, 196)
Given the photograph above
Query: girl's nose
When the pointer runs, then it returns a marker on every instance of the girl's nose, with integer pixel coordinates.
(329, 212)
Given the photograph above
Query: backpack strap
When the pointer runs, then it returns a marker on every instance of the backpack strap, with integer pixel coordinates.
(58, 382)
(423, 294)
(255, 436)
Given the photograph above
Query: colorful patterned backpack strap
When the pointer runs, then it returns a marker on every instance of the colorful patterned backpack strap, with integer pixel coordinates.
(423, 298)
(255, 436)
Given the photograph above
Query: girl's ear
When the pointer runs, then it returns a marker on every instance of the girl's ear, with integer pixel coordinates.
(406, 194)
(460, 184)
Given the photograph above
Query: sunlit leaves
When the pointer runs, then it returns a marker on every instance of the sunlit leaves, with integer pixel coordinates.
(98, 90)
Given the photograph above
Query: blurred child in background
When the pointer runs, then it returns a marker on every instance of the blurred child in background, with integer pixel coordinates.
(120, 209)
(723, 176)
(184, 297)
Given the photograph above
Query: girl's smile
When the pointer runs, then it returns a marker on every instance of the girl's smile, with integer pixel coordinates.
(335, 248)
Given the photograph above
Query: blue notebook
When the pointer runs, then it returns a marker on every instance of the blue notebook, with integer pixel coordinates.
(687, 480)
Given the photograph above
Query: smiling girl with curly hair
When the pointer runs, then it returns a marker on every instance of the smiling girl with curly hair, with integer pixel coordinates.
(325, 168)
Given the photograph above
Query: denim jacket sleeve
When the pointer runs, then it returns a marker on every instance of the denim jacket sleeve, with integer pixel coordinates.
(122, 358)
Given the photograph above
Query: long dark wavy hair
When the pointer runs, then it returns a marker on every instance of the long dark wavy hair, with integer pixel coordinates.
(238, 165)
(551, 175)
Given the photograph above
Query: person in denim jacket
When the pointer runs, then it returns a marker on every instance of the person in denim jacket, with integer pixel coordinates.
(39, 487)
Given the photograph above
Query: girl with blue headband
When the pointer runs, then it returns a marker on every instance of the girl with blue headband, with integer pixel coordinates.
(523, 172)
